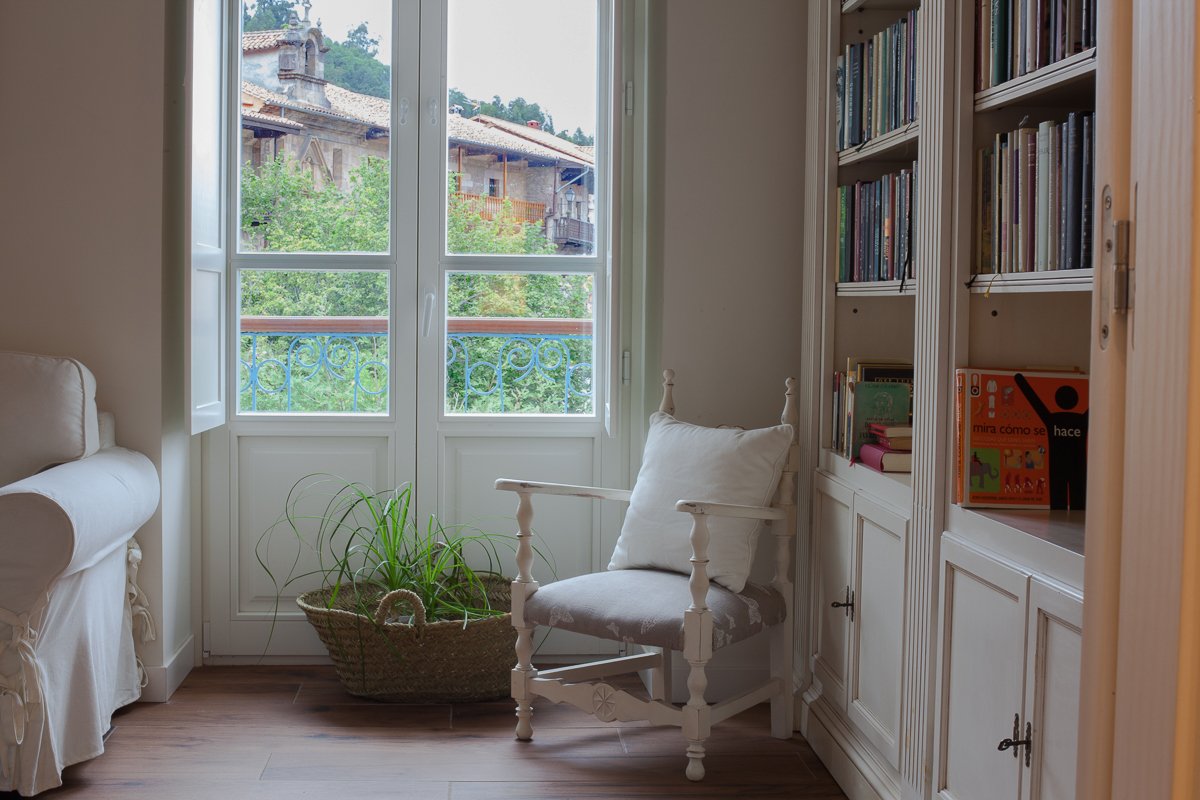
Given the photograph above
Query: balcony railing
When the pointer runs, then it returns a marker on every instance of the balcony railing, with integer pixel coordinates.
(526, 210)
(340, 365)
(573, 231)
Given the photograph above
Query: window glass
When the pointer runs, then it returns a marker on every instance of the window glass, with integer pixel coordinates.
(521, 129)
(313, 342)
(519, 343)
(315, 124)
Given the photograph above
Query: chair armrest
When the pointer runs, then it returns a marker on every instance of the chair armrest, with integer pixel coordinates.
(594, 492)
(68, 518)
(730, 510)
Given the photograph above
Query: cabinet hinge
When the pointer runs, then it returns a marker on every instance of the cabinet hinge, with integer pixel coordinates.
(1118, 241)
(629, 98)
(626, 368)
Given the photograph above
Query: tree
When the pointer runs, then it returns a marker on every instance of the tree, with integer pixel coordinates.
(352, 64)
(578, 137)
(360, 39)
(268, 15)
(516, 110)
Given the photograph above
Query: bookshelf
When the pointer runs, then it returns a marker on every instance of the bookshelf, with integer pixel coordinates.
(945, 313)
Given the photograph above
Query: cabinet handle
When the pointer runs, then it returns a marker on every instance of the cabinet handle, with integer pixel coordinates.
(848, 605)
(1016, 743)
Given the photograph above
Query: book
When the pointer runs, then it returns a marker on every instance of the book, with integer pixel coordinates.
(890, 430)
(878, 457)
(872, 401)
(1021, 439)
(1074, 191)
(899, 443)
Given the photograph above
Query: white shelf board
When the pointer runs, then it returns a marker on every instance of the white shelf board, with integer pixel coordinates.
(1053, 540)
(871, 5)
(890, 146)
(1028, 88)
(877, 288)
(893, 488)
(1061, 280)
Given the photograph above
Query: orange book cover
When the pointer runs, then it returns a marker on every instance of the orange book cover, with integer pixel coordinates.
(1022, 438)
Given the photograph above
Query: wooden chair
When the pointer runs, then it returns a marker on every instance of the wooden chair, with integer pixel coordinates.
(662, 609)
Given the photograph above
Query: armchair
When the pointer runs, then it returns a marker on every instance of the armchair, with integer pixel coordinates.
(70, 502)
(677, 581)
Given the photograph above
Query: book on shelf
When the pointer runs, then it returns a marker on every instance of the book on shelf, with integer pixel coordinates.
(1017, 37)
(1033, 205)
(888, 430)
(875, 228)
(876, 90)
(867, 402)
(879, 457)
(1021, 439)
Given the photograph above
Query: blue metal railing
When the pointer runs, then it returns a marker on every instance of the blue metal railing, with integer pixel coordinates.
(329, 371)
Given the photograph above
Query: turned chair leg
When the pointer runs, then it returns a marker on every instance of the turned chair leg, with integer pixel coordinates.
(697, 722)
(520, 683)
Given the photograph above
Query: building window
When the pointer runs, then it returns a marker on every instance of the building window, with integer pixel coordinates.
(493, 187)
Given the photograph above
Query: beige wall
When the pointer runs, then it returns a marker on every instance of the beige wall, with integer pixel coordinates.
(734, 121)
(81, 219)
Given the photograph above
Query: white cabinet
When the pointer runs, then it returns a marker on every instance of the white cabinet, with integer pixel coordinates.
(858, 609)
(1009, 670)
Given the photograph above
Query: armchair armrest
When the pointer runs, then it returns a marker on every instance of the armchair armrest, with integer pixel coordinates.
(566, 489)
(730, 510)
(68, 518)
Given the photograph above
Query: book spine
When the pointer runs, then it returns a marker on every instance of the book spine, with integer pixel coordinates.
(1074, 190)
(840, 91)
(998, 14)
(1085, 204)
(1029, 191)
(960, 389)
(853, 103)
(1052, 228)
(1042, 236)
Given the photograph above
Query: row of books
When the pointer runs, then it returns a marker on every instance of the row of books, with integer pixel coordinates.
(1016, 37)
(872, 400)
(1033, 199)
(877, 83)
(1021, 439)
(875, 228)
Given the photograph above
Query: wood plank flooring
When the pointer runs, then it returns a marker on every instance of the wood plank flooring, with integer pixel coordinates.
(269, 733)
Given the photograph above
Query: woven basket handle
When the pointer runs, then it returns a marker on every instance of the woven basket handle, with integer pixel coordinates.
(397, 596)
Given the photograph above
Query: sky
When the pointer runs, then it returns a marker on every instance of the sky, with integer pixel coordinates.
(542, 50)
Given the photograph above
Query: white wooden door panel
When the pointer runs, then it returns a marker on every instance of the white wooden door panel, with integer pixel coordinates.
(877, 631)
(567, 529)
(1052, 690)
(982, 673)
(832, 509)
(266, 469)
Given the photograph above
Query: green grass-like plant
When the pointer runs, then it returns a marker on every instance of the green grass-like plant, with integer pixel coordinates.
(369, 543)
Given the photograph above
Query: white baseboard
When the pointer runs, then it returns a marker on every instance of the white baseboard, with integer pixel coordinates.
(161, 682)
(861, 773)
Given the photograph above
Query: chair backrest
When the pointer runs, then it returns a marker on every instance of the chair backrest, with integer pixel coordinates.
(47, 413)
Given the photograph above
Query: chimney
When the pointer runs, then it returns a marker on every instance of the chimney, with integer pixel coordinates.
(533, 123)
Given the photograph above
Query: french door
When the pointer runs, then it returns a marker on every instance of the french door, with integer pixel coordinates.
(417, 284)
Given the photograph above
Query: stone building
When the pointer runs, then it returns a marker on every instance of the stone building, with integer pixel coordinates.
(289, 108)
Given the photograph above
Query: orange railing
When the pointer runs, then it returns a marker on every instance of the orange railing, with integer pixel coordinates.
(526, 210)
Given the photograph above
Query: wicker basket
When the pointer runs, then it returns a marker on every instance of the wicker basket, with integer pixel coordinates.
(422, 662)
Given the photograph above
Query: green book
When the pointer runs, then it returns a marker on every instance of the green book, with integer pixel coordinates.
(885, 402)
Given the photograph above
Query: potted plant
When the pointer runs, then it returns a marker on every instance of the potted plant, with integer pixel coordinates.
(401, 610)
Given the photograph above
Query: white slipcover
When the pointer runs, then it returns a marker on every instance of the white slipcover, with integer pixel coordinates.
(67, 572)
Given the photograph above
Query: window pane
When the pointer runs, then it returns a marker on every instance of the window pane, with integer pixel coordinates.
(313, 342)
(521, 128)
(519, 343)
(315, 126)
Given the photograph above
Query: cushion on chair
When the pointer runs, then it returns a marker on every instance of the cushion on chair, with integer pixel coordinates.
(682, 461)
(612, 605)
(47, 413)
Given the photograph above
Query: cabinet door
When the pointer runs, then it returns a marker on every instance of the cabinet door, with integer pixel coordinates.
(831, 584)
(878, 625)
(982, 671)
(1055, 638)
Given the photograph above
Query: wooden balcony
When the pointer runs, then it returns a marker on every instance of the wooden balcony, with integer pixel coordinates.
(573, 231)
(490, 207)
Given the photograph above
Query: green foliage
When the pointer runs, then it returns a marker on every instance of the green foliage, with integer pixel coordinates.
(352, 64)
(268, 15)
(471, 229)
(516, 110)
(369, 542)
(578, 137)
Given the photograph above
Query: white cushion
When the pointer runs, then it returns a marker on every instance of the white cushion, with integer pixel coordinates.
(688, 462)
(47, 413)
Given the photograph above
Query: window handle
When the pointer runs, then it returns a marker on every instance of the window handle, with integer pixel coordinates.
(433, 111)
(427, 318)
(403, 108)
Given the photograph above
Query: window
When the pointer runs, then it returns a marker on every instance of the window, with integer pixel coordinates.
(493, 187)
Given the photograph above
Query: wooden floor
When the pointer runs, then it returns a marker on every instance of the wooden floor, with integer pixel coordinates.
(269, 733)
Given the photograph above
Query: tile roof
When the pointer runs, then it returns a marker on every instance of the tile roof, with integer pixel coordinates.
(352, 106)
(273, 119)
(482, 130)
(256, 41)
(538, 136)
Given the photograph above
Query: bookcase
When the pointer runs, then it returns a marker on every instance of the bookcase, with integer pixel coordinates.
(904, 698)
